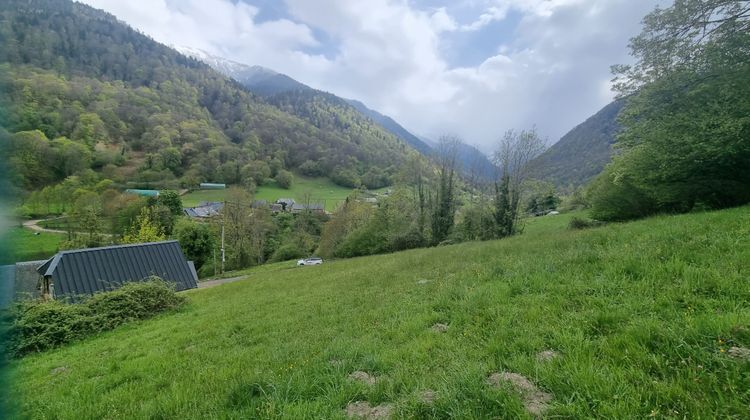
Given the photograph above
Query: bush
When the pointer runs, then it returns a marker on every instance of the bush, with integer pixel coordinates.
(39, 326)
(287, 252)
(613, 195)
(284, 179)
(578, 223)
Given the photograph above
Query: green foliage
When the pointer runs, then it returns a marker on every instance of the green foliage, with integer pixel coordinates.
(74, 72)
(196, 239)
(288, 251)
(578, 223)
(652, 327)
(582, 153)
(444, 205)
(40, 326)
(686, 121)
(172, 201)
(613, 195)
(145, 228)
(284, 179)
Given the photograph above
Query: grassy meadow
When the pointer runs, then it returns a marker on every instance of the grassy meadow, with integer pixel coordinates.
(319, 189)
(23, 245)
(641, 317)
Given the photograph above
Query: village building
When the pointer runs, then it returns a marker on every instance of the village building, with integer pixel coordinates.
(88, 271)
(204, 210)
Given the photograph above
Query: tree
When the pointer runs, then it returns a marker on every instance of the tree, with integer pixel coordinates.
(515, 151)
(196, 239)
(444, 206)
(144, 229)
(284, 178)
(256, 171)
(685, 127)
(171, 200)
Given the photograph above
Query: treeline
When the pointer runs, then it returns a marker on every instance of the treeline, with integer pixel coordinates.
(685, 140)
(77, 74)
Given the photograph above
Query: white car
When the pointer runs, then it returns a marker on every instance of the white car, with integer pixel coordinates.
(310, 261)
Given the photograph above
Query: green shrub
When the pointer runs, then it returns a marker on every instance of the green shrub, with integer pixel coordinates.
(39, 326)
(287, 252)
(578, 223)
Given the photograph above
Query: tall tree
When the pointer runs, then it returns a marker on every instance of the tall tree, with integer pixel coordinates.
(686, 124)
(515, 150)
(444, 205)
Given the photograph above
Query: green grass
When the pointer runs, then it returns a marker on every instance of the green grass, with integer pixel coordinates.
(320, 190)
(641, 313)
(23, 245)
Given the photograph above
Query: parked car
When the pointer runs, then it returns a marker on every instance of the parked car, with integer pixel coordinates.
(310, 261)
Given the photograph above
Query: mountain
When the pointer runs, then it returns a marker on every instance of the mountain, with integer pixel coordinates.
(274, 86)
(474, 163)
(328, 111)
(81, 90)
(582, 153)
(389, 124)
(261, 80)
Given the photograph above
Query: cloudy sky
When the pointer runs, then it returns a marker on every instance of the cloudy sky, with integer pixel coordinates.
(473, 68)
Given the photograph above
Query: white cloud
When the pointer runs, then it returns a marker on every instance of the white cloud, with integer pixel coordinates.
(553, 72)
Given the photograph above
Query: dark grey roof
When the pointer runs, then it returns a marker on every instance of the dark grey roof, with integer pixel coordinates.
(205, 209)
(86, 271)
(311, 206)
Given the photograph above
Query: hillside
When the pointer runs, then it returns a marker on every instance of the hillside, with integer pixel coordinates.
(391, 125)
(261, 80)
(582, 153)
(269, 83)
(598, 331)
(136, 110)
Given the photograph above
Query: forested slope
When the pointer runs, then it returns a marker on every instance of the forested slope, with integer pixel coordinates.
(582, 153)
(118, 100)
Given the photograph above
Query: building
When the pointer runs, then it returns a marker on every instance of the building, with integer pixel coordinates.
(313, 207)
(212, 186)
(144, 193)
(204, 210)
(286, 203)
(88, 271)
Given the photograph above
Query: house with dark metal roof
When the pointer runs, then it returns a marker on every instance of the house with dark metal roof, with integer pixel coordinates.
(286, 203)
(87, 271)
(204, 210)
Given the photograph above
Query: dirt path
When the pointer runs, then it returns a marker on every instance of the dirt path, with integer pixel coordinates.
(33, 225)
(212, 283)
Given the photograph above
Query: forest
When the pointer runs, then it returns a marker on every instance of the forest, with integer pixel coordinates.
(171, 118)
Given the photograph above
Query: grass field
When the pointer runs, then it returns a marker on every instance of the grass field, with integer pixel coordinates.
(320, 190)
(22, 245)
(641, 316)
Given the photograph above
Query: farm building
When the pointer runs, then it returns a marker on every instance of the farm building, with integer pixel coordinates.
(313, 207)
(204, 210)
(87, 271)
(212, 186)
(144, 193)
(286, 203)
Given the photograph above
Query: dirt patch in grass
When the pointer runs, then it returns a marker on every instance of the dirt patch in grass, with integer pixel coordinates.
(58, 370)
(428, 396)
(740, 353)
(364, 377)
(439, 327)
(363, 409)
(535, 400)
(547, 355)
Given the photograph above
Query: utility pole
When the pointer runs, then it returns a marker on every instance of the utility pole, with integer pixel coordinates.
(223, 257)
